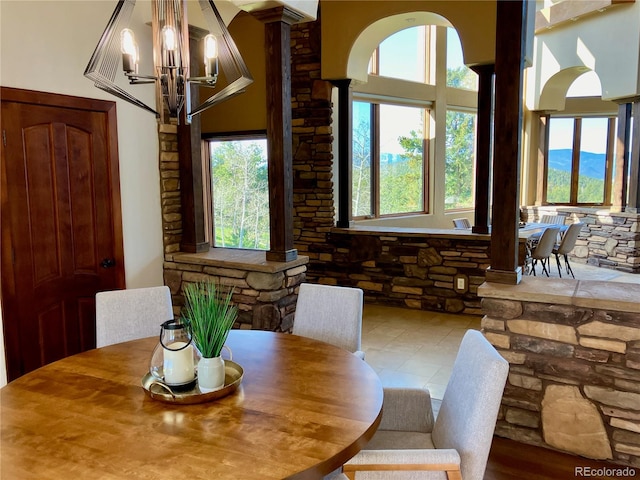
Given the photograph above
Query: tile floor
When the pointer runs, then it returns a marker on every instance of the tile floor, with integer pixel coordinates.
(416, 348)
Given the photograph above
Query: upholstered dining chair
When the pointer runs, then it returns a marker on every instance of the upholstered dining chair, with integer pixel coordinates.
(461, 223)
(123, 315)
(565, 247)
(332, 314)
(543, 249)
(410, 444)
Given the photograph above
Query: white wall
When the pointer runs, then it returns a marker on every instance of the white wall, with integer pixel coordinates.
(45, 45)
(607, 43)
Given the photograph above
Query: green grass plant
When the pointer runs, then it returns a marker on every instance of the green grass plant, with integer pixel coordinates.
(210, 315)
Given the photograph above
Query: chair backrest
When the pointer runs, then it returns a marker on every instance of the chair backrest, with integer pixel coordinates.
(461, 223)
(123, 315)
(330, 313)
(554, 219)
(544, 248)
(569, 239)
(467, 417)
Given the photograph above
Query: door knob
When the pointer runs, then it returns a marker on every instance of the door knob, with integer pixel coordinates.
(108, 263)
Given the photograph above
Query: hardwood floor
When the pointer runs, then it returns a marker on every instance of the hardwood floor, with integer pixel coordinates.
(509, 460)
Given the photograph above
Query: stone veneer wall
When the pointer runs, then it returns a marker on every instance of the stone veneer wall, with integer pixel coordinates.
(608, 239)
(312, 112)
(414, 269)
(574, 354)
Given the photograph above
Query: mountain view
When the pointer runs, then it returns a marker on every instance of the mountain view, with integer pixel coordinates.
(591, 164)
(590, 183)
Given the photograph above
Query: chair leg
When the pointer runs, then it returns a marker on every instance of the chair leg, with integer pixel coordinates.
(533, 266)
(544, 268)
(568, 265)
(558, 263)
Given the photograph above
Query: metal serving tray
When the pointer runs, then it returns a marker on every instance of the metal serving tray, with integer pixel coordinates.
(157, 390)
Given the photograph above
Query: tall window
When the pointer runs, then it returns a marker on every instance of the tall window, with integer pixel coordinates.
(579, 160)
(240, 192)
(394, 123)
(460, 160)
(458, 74)
(394, 182)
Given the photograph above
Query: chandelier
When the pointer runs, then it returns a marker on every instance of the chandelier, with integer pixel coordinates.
(170, 31)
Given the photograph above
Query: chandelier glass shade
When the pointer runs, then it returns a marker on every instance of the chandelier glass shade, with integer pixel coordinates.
(172, 75)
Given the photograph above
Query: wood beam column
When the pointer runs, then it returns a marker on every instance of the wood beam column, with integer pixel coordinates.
(483, 147)
(510, 60)
(279, 134)
(345, 135)
(633, 205)
(542, 169)
(194, 232)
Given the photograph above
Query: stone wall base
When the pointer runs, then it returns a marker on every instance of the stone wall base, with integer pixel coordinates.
(574, 355)
(265, 292)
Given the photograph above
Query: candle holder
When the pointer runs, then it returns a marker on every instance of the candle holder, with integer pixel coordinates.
(174, 358)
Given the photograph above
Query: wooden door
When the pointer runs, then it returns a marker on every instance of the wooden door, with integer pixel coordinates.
(61, 223)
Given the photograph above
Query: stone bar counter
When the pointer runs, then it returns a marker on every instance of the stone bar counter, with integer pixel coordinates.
(574, 354)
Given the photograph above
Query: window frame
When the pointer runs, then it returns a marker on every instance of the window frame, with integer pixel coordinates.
(545, 126)
(374, 136)
(435, 96)
(207, 187)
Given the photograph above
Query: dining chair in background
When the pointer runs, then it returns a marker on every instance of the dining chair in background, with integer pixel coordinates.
(553, 219)
(565, 247)
(457, 441)
(461, 223)
(543, 249)
(332, 314)
(123, 315)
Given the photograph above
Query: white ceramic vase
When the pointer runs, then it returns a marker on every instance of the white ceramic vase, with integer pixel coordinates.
(210, 374)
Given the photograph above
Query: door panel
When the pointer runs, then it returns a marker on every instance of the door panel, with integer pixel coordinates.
(63, 215)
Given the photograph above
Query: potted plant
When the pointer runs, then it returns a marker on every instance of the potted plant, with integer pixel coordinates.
(210, 315)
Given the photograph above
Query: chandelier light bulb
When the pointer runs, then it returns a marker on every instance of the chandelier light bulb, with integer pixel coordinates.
(169, 47)
(129, 50)
(128, 42)
(211, 56)
(169, 38)
(210, 47)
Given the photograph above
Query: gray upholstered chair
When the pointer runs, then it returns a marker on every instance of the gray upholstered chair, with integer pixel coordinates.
(543, 249)
(332, 314)
(123, 315)
(410, 444)
(567, 244)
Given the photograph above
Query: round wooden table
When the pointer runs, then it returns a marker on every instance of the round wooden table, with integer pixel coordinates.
(303, 409)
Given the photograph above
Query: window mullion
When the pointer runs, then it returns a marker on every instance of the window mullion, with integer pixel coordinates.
(375, 159)
(575, 161)
(608, 170)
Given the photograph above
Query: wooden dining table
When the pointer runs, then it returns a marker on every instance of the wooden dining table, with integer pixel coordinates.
(303, 408)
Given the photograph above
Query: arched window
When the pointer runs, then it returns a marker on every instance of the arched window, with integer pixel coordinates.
(395, 128)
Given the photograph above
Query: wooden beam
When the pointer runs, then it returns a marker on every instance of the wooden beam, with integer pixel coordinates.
(620, 181)
(345, 136)
(510, 61)
(279, 131)
(633, 204)
(195, 237)
(484, 131)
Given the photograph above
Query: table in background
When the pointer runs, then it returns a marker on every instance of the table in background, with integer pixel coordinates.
(303, 409)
